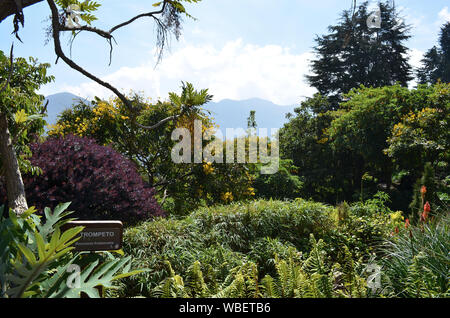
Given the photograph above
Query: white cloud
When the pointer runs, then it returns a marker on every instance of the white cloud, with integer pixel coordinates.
(235, 71)
(444, 16)
(415, 57)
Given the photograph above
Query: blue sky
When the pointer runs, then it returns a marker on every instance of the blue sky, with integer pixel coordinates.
(239, 49)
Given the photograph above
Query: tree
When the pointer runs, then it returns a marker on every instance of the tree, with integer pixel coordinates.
(424, 191)
(282, 185)
(251, 120)
(303, 141)
(21, 112)
(355, 54)
(378, 139)
(184, 184)
(65, 17)
(436, 62)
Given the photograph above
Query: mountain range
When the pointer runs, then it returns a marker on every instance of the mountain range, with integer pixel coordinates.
(226, 113)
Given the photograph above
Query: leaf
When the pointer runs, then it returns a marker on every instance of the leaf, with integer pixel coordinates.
(28, 254)
(54, 220)
(20, 116)
(94, 276)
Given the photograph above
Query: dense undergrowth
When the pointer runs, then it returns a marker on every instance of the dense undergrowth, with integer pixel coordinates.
(288, 249)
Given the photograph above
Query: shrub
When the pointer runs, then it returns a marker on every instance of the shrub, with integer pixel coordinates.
(416, 262)
(363, 226)
(100, 182)
(219, 238)
(35, 258)
(281, 185)
(301, 247)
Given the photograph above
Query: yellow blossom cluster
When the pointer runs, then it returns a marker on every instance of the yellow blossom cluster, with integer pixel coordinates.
(227, 197)
(208, 168)
(251, 191)
(411, 118)
(105, 109)
(396, 216)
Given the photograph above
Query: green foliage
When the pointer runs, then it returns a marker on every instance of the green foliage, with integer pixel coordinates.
(428, 181)
(379, 138)
(23, 107)
(36, 256)
(313, 278)
(295, 277)
(303, 141)
(417, 260)
(354, 54)
(235, 246)
(84, 7)
(185, 186)
(282, 185)
(436, 62)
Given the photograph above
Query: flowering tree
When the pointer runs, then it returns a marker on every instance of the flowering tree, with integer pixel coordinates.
(186, 184)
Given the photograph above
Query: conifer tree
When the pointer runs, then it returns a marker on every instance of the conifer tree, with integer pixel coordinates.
(436, 62)
(356, 52)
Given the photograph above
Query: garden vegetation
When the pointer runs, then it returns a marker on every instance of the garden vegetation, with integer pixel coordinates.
(358, 208)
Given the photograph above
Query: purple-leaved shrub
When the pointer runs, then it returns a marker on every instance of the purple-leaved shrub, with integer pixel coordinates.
(100, 182)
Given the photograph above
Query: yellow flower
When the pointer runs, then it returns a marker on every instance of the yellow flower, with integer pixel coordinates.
(396, 216)
(227, 197)
(208, 168)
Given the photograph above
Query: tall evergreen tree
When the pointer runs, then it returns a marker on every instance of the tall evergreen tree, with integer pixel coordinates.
(357, 52)
(436, 62)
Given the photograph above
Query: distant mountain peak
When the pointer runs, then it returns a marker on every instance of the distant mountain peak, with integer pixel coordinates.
(227, 113)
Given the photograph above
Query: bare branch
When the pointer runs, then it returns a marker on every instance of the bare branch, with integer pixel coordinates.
(56, 28)
(162, 122)
(44, 109)
(143, 15)
(104, 34)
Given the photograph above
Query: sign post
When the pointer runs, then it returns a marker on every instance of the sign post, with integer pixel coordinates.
(98, 235)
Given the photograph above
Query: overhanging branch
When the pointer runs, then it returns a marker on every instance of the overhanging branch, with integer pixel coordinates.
(9, 7)
(57, 28)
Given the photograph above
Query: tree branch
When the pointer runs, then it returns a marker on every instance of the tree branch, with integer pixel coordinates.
(149, 14)
(9, 7)
(57, 28)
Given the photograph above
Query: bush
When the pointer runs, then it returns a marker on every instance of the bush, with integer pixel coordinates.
(281, 185)
(416, 262)
(237, 225)
(221, 239)
(100, 183)
(363, 226)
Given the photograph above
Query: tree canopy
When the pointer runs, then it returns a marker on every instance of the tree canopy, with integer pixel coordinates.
(436, 62)
(354, 53)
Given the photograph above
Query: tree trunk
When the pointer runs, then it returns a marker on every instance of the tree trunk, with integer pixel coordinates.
(15, 189)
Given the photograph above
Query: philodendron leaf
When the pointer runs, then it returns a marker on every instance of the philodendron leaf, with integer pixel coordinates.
(95, 275)
(54, 220)
(28, 274)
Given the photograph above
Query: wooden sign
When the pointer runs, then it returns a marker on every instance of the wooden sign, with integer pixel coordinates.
(98, 235)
